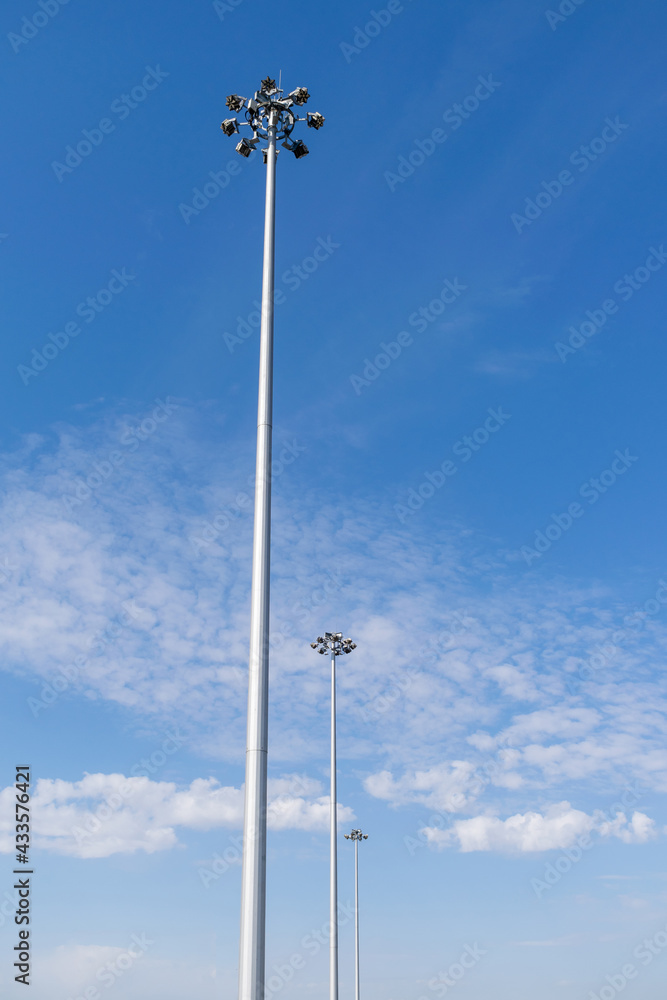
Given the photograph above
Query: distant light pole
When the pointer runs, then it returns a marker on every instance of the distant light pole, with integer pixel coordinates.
(270, 117)
(356, 836)
(334, 643)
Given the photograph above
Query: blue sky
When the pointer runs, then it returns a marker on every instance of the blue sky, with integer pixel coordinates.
(469, 429)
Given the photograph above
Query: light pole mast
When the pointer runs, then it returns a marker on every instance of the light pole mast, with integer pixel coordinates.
(356, 836)
(334, 643)
(271, 117)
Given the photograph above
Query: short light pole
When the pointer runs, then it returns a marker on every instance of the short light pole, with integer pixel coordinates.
(270, 118)
(356, 836)
(335, 644)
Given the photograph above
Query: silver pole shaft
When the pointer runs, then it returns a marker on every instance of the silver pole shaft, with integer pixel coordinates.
(333, 887)
(356, 916)
(253, 893)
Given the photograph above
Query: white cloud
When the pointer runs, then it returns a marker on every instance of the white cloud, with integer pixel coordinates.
(105, 814)
(161, 627)
(559, 827)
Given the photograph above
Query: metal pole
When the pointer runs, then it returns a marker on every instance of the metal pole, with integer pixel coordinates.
(356, 916)
(253, 892)
(333, 886)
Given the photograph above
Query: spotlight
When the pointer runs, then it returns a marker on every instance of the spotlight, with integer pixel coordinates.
(320, 638)
(323, 651)
(234, 102)
(313, 645)
(315, 119)
(353, 645)
(245, 148)
(230, 126)
(300, 95)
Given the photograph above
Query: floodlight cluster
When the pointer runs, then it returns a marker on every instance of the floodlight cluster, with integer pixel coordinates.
(356, 835)
(333, 641)
(269, 109)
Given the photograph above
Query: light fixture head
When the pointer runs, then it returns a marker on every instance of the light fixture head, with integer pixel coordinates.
(300, 95)
(320, 638)
(313, 645)
(245, 147)
(314, 119)
(230, 126)
(269, 85)
(323, 651)
(234, 102)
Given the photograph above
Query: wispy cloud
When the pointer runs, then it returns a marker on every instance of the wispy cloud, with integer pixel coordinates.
(496, 690)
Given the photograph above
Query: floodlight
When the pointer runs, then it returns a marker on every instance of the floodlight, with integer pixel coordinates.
(269, 85)
(245, 147)
(230, 126)
(315, 119)
(300, 95)
(313, 645)
(323, 651)
(234, 102)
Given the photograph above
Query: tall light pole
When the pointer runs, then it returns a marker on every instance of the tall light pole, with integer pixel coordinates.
(270, 117)
(335, 644)
(356, 836)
